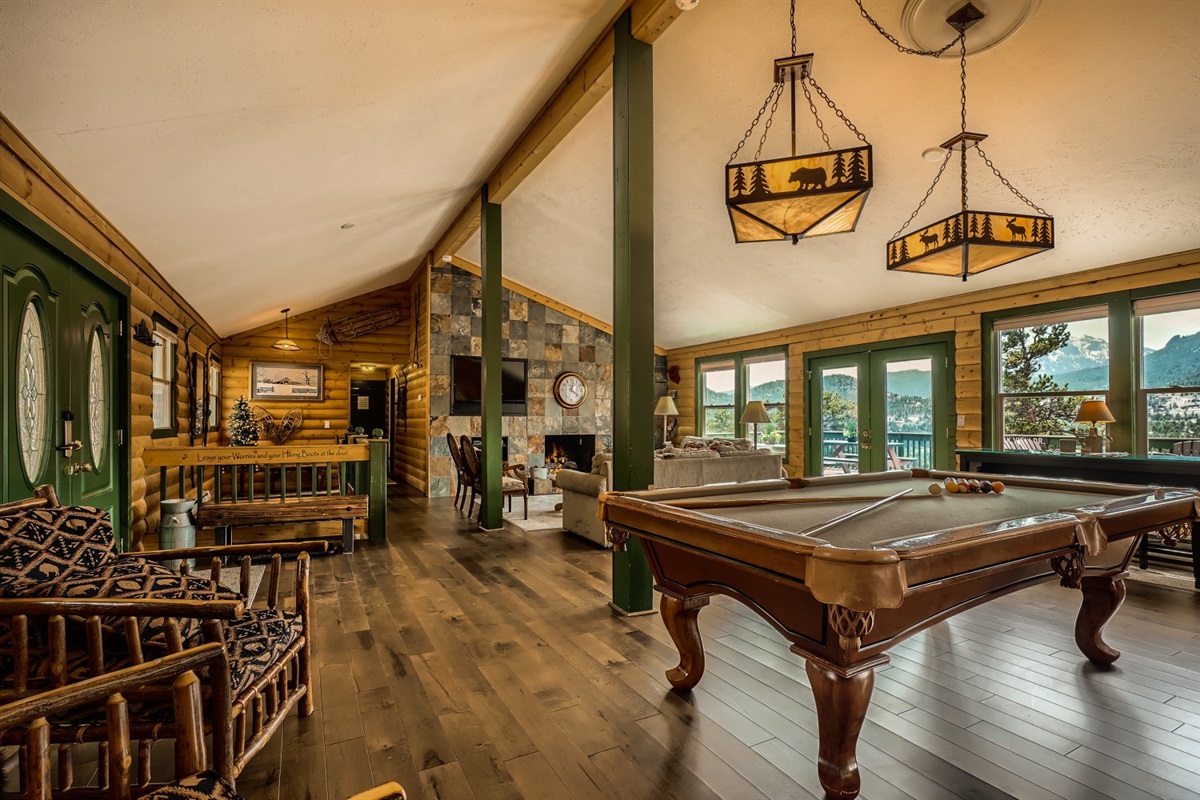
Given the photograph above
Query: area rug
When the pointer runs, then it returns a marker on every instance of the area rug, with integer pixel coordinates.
(1174, 578)
(542, 516)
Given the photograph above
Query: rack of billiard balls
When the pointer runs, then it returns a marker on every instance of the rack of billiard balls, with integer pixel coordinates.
(967, 486)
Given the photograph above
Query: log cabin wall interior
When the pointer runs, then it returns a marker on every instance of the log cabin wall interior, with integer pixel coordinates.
(410, 443)
(384, 348)
(37, 186)
(962, 315)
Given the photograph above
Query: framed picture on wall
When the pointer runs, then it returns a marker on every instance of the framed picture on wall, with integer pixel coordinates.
(287, 381)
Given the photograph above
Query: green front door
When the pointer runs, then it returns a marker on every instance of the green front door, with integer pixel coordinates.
(880, 409)
(61, 404)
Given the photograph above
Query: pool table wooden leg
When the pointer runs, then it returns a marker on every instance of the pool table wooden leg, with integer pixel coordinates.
(679, 614)
(1102, 596)
(842, 701)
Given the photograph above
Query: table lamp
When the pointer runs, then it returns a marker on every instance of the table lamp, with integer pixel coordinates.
(1094, 411)
(755, 414)
(665, 408)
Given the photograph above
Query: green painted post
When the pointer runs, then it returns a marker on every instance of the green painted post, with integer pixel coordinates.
(491, 513)
(377, 495)
(633, 296)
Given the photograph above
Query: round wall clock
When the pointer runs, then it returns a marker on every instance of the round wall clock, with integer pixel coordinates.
(570, 390)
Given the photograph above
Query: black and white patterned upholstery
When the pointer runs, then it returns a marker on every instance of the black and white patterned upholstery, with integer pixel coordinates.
(205, 786)
(255, 642)
(52, 543)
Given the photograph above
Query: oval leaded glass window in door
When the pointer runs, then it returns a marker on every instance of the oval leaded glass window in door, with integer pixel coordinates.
(32, 434)
(96, 396)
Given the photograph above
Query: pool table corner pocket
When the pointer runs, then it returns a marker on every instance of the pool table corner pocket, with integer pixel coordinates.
(862, 580)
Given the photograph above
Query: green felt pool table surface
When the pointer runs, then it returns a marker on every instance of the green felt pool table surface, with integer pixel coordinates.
(917, 514)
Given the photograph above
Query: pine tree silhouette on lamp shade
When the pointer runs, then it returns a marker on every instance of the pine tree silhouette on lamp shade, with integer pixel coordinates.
(665, 408)
(755, 414)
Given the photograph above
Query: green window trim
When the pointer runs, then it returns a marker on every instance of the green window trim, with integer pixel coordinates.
(737, 362)
(1123, 397)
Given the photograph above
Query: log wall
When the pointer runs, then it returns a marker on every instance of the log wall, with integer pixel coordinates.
(961, 314)
(385, 348)
(411, 442)
(31, 180)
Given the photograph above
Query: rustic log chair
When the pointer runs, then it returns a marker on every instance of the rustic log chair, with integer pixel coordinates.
(71, 608)
(512, 483)
(110, 702)
(460, 492)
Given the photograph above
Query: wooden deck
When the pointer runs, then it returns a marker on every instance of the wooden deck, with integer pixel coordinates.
(475, 665)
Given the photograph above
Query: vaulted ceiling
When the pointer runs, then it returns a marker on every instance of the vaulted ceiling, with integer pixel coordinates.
(231, 141)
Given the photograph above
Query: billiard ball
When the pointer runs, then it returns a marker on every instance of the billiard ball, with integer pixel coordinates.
(997, 486)
(985, 487)
(974, 486)
(951, 486)
(935, 489)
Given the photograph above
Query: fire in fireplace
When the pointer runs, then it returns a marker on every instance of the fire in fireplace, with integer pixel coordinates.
(570, 451)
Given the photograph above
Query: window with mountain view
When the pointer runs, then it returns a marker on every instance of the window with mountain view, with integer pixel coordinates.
(1048, 365)
(717, 383)
(766, 380)
(727, 383)
(1168, 339)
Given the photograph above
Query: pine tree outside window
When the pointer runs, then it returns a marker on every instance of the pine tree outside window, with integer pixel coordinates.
(726, 383)
(1168, 371)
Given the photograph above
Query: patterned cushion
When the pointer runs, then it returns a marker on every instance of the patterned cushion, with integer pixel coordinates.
(133, 577)
(255, 642)
(51, 543)
(205, 786)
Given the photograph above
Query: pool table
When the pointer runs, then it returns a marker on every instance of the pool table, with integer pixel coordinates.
(844, 594)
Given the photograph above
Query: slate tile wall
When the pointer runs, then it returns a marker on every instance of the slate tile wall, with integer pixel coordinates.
(552, 341)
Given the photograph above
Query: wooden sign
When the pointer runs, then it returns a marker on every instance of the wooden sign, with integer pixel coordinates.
(223, 456)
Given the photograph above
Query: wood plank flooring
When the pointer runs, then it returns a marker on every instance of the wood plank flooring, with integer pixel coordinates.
(487, 665)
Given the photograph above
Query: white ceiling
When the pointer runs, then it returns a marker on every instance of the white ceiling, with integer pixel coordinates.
(231, 140)
(1092, 110)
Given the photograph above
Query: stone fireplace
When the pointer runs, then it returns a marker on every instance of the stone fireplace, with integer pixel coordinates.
(570, 451)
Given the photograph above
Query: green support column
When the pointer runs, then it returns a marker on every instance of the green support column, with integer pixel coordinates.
(633, 296)
(491, 516)
(377, 483)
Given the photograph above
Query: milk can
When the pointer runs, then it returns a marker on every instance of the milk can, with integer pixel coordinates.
(176, 528)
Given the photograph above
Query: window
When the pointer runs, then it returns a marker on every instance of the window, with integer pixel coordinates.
(1138, 351)
(162, 377)
(1168, 358)
(717, 384)
(727, 383)
(1047, 365)
(214, 395)
(766, 380)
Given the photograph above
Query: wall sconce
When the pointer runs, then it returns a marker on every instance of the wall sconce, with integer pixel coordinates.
(141, 333)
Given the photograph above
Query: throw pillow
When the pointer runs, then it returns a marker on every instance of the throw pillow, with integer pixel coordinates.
(50, 543)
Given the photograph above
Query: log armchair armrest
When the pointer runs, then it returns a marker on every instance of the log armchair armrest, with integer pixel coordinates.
(28, 722)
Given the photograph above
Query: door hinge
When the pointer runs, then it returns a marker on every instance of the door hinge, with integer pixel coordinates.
(946, 362)
(120, 436)
(120, 327)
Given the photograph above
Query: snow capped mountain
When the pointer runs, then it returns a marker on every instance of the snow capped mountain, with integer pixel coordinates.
(1082, 352)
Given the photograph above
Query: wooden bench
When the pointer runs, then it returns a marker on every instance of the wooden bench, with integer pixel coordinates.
(281, 485)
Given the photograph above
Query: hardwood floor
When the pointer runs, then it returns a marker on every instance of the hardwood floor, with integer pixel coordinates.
(487, 665)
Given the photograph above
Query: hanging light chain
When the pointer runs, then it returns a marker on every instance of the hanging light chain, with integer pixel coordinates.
(813, 108)
(895, 41)
(962, 71)
(776, 89)
(1011, 188)
(792, 19)
(836, 110)
(920, 205)
(770, 119)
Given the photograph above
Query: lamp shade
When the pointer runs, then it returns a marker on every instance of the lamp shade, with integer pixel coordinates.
(755, 412)
(666, 407)
(286, 342)
(1094, 411)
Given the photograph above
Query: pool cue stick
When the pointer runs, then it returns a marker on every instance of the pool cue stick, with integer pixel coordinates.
(696, 503)
(824, 526)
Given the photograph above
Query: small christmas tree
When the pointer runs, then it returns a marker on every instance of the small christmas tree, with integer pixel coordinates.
(243, 430)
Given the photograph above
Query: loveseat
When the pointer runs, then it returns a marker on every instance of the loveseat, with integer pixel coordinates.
(697, 463)
(73, 608)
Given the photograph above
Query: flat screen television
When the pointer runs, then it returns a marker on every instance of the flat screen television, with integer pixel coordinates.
(466, 386)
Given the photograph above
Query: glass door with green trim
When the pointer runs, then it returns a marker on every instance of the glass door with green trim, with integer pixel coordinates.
(880, 410)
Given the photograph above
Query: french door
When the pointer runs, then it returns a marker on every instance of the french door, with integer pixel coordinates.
(880, 409)
(61, 368)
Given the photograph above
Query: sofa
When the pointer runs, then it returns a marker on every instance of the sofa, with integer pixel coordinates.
(695, 463)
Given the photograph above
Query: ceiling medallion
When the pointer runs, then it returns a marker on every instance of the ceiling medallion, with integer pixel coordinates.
(797, 196)
(969, 241)
(924, 22)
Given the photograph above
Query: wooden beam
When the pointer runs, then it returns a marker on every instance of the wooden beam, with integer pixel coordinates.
(546, 300)
(588, 81)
